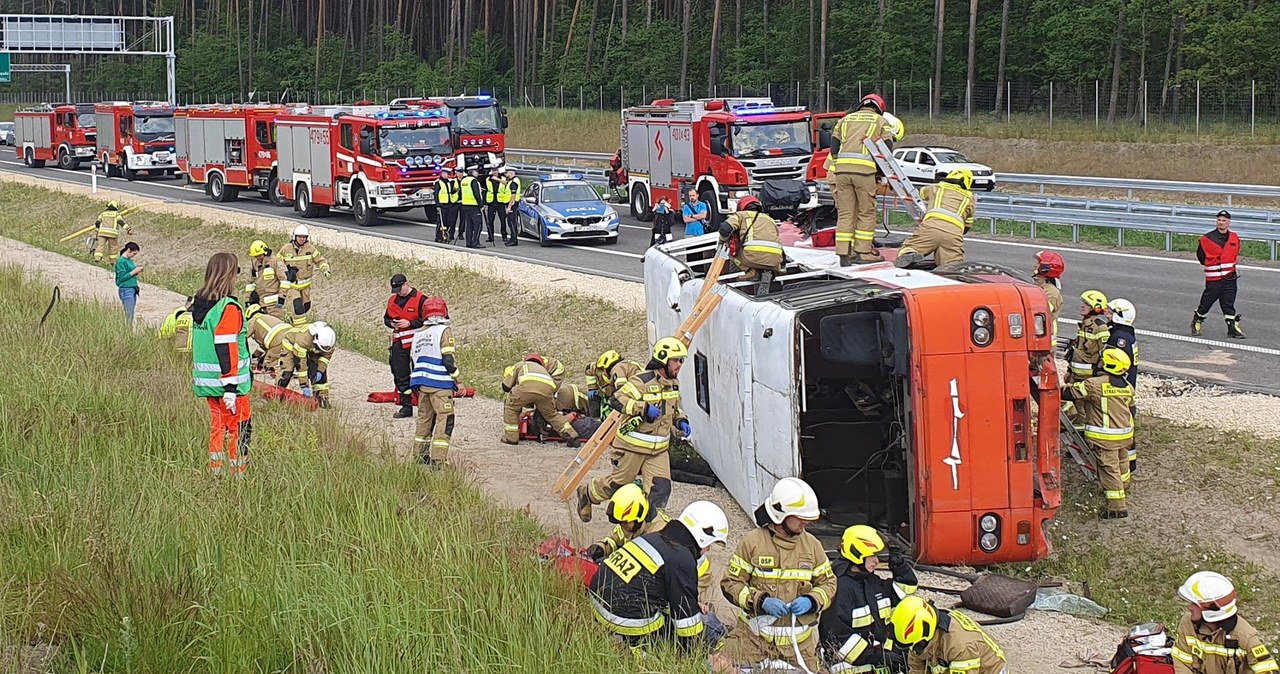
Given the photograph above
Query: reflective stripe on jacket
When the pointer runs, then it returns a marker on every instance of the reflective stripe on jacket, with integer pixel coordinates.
(768, 565)
(428, 350)
(949, 203)
(851, 131)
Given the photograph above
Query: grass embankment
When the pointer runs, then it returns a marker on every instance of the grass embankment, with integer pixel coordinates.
(496, 322)
(118, 552)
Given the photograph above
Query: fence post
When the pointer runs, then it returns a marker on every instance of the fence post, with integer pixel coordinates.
(895, 96)
(643, 96)
(768, 90)
(826, 101)
(797, 92)
(1008, 102)
(580, 98)
(930, 98)
(1197, 107)
(1050, 104)
(1095, 104)
(1146, 103)
(859, 90)
(1253, 100)
(601, 98)
(968, 103)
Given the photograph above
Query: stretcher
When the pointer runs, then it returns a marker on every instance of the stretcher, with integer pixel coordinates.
(394, 398)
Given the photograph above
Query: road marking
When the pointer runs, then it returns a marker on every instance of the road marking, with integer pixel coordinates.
(1235, 346)
(1108, 253)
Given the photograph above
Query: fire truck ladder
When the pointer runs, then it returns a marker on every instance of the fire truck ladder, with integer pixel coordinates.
(898, 180)
(1078, 448)
(708, 298)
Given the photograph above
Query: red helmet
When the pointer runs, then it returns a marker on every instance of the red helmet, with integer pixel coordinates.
(535, 358)
(749, 201)
(873, 99)
(1049, 264)
(434, 307)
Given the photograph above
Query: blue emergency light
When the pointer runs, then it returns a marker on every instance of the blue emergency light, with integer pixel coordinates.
(484, 97)
(562, 176)
(754, 110)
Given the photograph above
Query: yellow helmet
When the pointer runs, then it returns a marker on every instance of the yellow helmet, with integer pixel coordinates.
(1094, 299)
(251, 311)
(607, 360)
(170, 324)
(257, 248)
(628, 504)
(914, 620)
(961, 176)
(668, 348)
(1115, 361)
(113, 205)
(860, 542)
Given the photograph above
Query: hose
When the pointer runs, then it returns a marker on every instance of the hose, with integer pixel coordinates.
(795, 646)
(57, 293)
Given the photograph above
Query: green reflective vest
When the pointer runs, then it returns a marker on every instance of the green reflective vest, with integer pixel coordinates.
(205, 371)
(468, 192)
(491, 190)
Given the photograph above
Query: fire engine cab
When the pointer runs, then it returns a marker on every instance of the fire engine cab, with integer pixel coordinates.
(724, 148)
(230, 148)
(371, 159)
(135, 137)
(64, 132)
(924, 404)
(478, 125)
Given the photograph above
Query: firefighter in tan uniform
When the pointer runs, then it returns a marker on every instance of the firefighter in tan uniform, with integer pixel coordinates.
(1212, 638)
(758, 248)
(268, 333)
(650, 405)
(177, 326)
(108, 228)
(780, 579)
(1048, 275)
(434, 377)
(301, 259)
(1091, 336)
(604, 376)
(944, 642)
(852, 172)
(572, 398)
(267, 282)
(948, 218)
(529, 384)
(307, 352)
(1106, 405)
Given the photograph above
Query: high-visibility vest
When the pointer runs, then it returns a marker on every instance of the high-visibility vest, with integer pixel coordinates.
(444, 195)
(504, 192)
(411, 311)
(468, 192)
(206, 372)
(1220, 261)
(515, 189)
(950, 203)
(428, 354)
(490, 191)
(110, 223)
(852, 130)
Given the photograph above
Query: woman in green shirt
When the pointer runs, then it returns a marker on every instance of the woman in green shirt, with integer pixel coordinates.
(127, 279)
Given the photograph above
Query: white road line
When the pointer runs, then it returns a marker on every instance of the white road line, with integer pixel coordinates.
(1109, 253)
(1235, 346)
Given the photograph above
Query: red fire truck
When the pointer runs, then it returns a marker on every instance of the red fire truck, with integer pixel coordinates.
(64, 132)
(371, 159)
(478, 125)
(135, 137)
(724, 148)
(230, 148)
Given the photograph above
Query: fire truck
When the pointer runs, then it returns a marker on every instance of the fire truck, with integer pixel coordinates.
(370, 159)
(65, 133)
(923, 403)
(135, 137)
(724, 148)
(478, 125)
(230, 148)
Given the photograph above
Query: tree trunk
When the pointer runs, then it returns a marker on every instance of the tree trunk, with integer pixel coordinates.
(1115, 67)
(608, 38)
(648, 12)
(822, 56)
(1168, 62)
(573, 21)
(591, 32)
(715, 50)
(940, 16)
(684, 48)
(249, 78)
(1004, 51)
(813, 69)
(1177, 68)
(319, 40)
(970, 92)
(880, 38)
(624, 19)
(737, 22)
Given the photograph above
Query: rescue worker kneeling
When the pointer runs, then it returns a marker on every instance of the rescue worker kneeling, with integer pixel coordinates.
(1212, 638)
(949, 218)
(943, 641)
(307, 351)
(856, 634)
(758, 249)
(1106, 403)
(780, 579)
(177, 326)
(268, 333)
(648, 589)
(529, 384)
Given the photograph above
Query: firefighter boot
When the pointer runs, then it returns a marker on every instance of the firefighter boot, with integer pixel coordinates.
(1197, 322)
(406, 408)
(766, 280)
(867, 258)
(1233, 329)
(1114, 514)
(584, 503)
(845, 261)
(907, 259)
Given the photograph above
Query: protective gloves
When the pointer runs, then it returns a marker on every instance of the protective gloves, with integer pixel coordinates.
(774, 607)
(684, 428)
(306, 391)
(652, 412)
(229, 402)
(802, 605)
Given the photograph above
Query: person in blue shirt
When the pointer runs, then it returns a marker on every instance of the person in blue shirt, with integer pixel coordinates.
(127, 279)
(695, 214)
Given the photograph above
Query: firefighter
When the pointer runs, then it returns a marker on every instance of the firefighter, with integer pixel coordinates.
(177, 326)
(949, 218)
(943, 641)
(1123, 337)
(268, 333)
(650, 404)
(856, 633)
(491, 209)
(301, 259)
(780, 580)
(1091, 336)
(307, 353)
(853, 180)
(435, 376)
(628, 509)
(1218, 252)
(1212, 637)
(605, 376)
(220, 364)
(513, 193)
(1105, 403)
(758, 251)
(1048, 275)
(446, 205)
(572, 398)
(404, 317)
(108, 228)
(528, 383)
(647, 590)
(267, 280)
(471, 200)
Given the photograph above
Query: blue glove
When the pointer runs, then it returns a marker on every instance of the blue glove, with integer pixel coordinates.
(802, 605)
(774, 607)
(651, 412)
(592, 394)
(306, 391)
(684, 428)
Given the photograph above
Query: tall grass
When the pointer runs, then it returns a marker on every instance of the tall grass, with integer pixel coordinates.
(122, 553)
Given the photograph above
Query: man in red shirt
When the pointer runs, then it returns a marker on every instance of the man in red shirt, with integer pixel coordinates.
(404, 317)
(1218, 252)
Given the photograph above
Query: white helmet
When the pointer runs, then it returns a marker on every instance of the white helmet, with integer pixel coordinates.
(707, 522)
(324, 335)
(1213, 592)
(301, 230)
(1122, 312)
(899, 129)
(792, 496)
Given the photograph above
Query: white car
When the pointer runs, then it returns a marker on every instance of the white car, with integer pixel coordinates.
(931, 164)
(7, 136)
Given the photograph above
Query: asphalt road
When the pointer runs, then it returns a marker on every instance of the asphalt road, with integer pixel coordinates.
(1165, 289)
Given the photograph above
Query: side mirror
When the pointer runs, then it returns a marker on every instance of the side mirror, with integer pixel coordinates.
(717, 146)
(532, 198)
(826, 139)
(504, 119)
(364, 132)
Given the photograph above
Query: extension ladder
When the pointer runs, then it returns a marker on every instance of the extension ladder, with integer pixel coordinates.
(708, 299)
(898, 180)
(1077, 447)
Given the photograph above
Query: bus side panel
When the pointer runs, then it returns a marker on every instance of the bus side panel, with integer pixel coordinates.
(772, 420)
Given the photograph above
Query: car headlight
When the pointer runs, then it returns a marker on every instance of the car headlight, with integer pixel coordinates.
(386, 190)
(988, 523)
(612, 216)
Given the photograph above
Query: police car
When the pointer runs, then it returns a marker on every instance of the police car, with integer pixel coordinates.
(563, 207)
